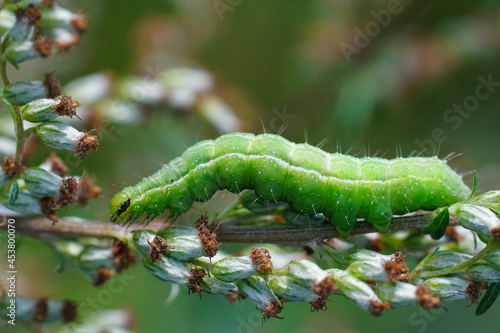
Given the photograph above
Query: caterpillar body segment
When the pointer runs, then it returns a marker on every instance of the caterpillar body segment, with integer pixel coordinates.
(342, 187)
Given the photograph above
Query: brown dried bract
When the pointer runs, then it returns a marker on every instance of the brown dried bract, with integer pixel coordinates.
(378, 307)
(69, 311)
(87, 143)
(202, 220)
(11, 168)
(495, 232)
(32, 13)
(325, 288)
(319, 304)
(195, 278)
(474, 291)
(49, 206)
(376, 244)
(122, 255)
(57, 166)
(87, 190)
(79, 22)
(68, 192)
(64, 46)
(453, 235)
(271, 310)
(209, 239)
(52, 85)
(66, 106)
(234, 297)
(399, 257)
(426, 298)
(101, 276)
(43, 46)
(159, 247)
(41, 310)
(261, 260)
(396, 268)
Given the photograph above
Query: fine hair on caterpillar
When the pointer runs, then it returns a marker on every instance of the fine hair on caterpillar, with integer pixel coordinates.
(342, 187)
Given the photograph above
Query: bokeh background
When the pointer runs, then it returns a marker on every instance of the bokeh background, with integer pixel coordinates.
(367, 76)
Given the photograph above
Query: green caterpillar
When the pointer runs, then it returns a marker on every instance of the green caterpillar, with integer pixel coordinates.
(342, 187)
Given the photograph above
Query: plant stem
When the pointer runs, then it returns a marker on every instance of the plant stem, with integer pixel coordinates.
(491, 244)
(18, 119)
(45, 228)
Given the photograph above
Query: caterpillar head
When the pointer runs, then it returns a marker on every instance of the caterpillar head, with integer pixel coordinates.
(120, 205)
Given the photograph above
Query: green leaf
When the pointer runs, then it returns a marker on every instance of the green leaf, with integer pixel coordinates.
(488, 298)
(474, 187)
(14, 192)
(438, 226)
(484, 237)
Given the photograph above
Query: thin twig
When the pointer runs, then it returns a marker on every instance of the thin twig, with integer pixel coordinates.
(18, 119)
(44, 228)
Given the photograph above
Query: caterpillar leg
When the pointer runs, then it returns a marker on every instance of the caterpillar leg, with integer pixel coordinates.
(375, 204)
(341, 206)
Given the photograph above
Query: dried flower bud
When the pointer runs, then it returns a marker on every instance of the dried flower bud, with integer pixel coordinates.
(489, 200)
(169, 270)
(54, 165)
(398, 295)
(217, 113)
(483, 273)
(94, 258)
(261, 260)
(61, 18)
(141, 90)
(426, 298)
(60, 135)
(41, 183)
(368, 270)
(40, 110)
(91, 88)
(48, 109)
(209, 239)
(357, 291)
(195, 279)
(448, 288)
(23, 92)
(18, 52)
(439, 260)
(182, 86)
(289, 289)
(256, 289)
(40, 310)
(87, 190)
(142, 239)
(212, 285)
(23, 28)
(232, 269)
(476, 218)
(53, 86)
(305, 272)
(25, 203)
(11, 167)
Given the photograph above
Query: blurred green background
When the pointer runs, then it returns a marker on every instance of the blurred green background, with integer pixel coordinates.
(335, 71)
